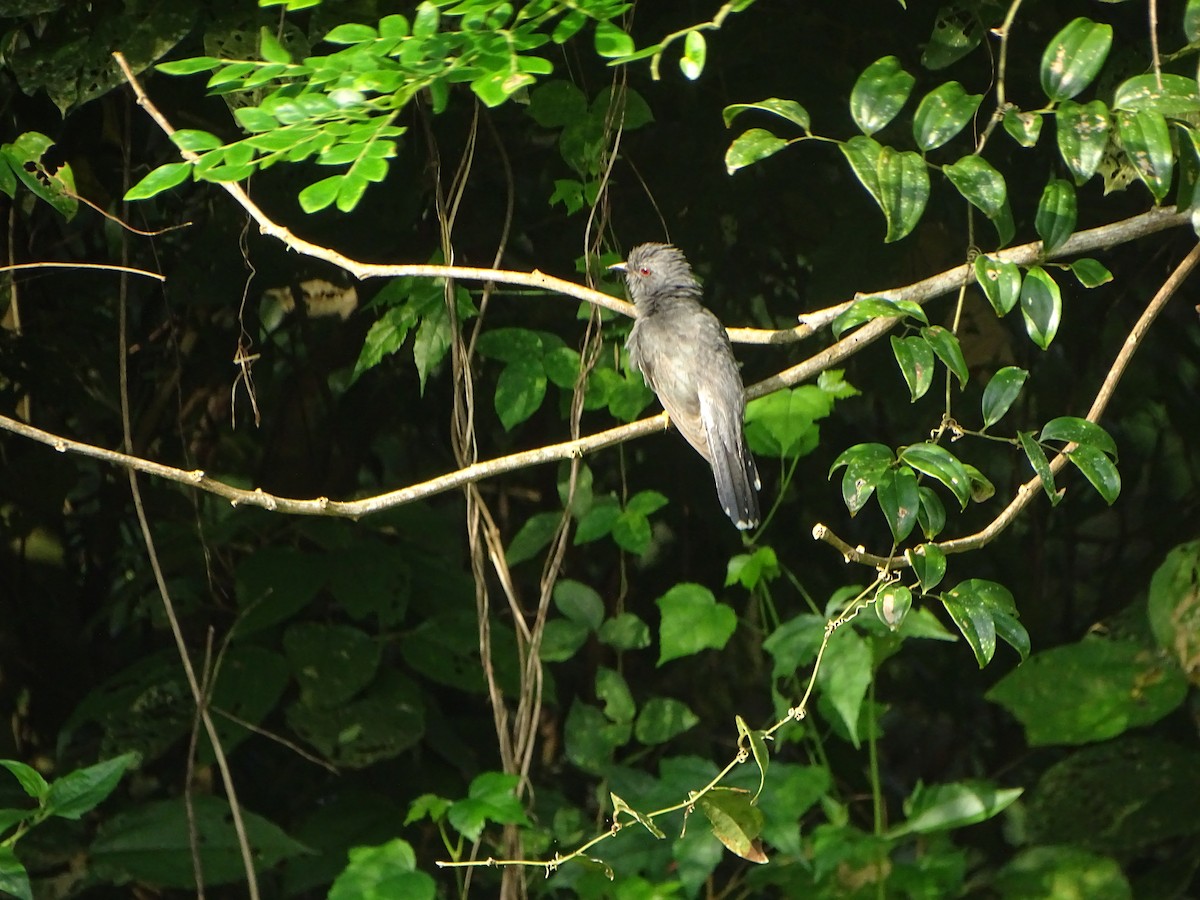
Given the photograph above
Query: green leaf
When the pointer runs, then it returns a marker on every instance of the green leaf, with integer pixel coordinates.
(557, 104)
(928, 563)
(321, 194)
(1001, 392)
(954, 35)
(1041, 306)
(1073, 429)
(663, 718)
(979, 183)
(490, 798)
(1091, 273)
(898, 498)
(195, 140)
(597, 521)
(1037, 459)
(1146, 140)
(735, 821)
(915, 358)
(892, 603)
(692, 620)
(351, 33)
(939, 463)
(943, 113)
(388, 870)
(613, 691)
(869, 308)
(945, 807)
(1082, 132)
(1173, 605)
(625, 632)
(879, 94)
(783, 423)
(611, 41)
(270, 48)
(945, 344)
(750, 147)
(932, 514)
(632, 532)
(646, 502)
(331, 663)
(866, 467)
(752, 569)
(561, 640)
(621, 807)
(845, 675)
(1074, 57)
(1000, 281)
(1056, 215)
(1090, 691)
(188, 66)
(520, 390)
(579, 603)
(903, 191)
(983, 610)
(30, 779)
(1063, 870)
(13, 877)
(1191, 21)
(1023, 127)
(1099, 470)
(426, 21)
(695, 50)
(81, 791)
(786, 109)
(1176, 96)
(533, 536)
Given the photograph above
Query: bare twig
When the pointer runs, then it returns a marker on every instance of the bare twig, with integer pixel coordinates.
(82, 265)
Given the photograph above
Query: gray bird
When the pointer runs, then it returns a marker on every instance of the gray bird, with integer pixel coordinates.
(684, 354)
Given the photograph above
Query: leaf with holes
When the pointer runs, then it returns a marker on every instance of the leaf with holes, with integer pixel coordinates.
(1000, 282)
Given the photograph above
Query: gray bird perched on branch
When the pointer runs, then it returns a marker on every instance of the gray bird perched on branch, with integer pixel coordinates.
(683, 352)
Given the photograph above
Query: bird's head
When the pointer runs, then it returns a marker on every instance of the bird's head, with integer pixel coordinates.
(653, 270)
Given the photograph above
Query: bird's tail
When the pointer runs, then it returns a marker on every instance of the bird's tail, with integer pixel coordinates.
(737, 482)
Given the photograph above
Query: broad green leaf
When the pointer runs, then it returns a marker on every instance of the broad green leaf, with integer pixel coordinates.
(1001, 392)
(1176, 96)
(1082, 132)
(955, 34)
(426, 21)
(898, 498)
(632, 532)
(13, 877)
(510, 344)
(981, 488)
(1091, 273)
(939, 463)
(1099, 470)
(557, 104)
(1056, 215)
(81, 791)
(646, 502)
(613, 690)
(590, 738)
(532, 537)
(863, 154)
(1041, 306)
(663, 718)
(1037, 459)
(562, 639)
(1073, 429)
(786, 109)
(866, 467)
(1023, 127)
(625, 632)
(611, 41)
(692, 620)
(783, 423)
(491, 797)
(1074, 57)
(943, 113)
(579, 603)
(903, 190)
(932, 514)
(870, 308)
(195, 140)
(892, 603)
(1090, 691)
(735, 821)
(983, 611)
(387, 870)
(979, 183)
(30, 779)
(695, 50)
(1191, 21)
(331, 662)
(750, 147)
(879, 93)
(350, 33)
(948, 350)
(844, 677)
(944, 807)
(1173, 605)
(915, 358)
(1000, 281)
(520, 390)
(270, 48)
(1146, 140)
(1068, 871)
(752, 569)
(928, 563)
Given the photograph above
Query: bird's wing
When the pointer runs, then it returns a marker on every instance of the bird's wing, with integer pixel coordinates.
(734, 472)
(671, 382)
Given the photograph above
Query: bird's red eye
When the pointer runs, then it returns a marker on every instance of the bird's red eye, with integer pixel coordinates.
(644, 270)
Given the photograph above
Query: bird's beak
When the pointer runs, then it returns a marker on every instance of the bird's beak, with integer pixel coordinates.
(618, 267)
